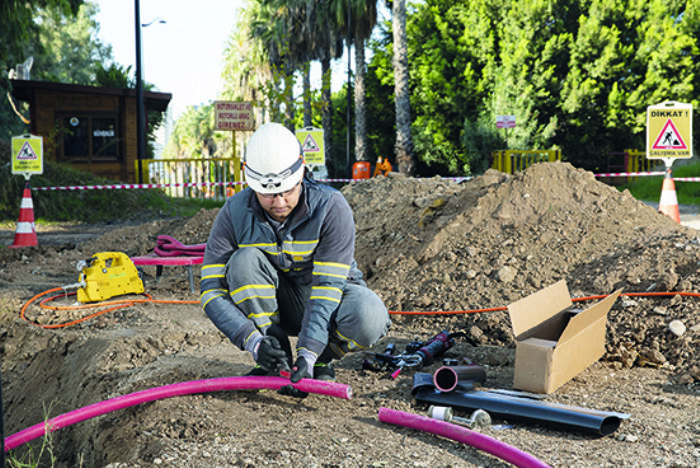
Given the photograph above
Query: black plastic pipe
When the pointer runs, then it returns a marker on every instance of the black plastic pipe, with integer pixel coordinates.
(526, 409)
(446, 378)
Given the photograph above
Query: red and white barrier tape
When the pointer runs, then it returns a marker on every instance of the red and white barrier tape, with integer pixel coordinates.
(214, 184)
(136, 186)
(190, 184)
(630, 174)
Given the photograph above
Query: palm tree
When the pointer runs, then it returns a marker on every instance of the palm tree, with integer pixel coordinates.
(246, 68)
(276, 26)
(404, 142)
(325, 23)
(364, 18)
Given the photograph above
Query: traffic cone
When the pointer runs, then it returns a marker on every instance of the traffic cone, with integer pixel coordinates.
(25, 234)
(668, 204)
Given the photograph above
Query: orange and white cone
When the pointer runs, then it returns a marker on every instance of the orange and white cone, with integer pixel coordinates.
(668, 204)
(25, 234)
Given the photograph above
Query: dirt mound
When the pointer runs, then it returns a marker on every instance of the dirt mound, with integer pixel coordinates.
(439, 245)
(424, 245)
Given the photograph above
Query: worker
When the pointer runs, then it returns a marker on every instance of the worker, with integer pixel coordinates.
(279, 262)
(382, 165)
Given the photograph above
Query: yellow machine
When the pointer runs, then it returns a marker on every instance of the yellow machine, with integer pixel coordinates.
(107, 274)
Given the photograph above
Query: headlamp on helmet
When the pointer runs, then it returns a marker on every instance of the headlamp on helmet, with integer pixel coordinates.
(273, 160)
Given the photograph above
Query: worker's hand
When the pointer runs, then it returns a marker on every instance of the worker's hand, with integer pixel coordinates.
(271, 356)
(299, 371)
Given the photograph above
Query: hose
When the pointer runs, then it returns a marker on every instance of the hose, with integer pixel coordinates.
(119, 304)
(577, 299)
(319, 387)
(461, 434)
(115, 305)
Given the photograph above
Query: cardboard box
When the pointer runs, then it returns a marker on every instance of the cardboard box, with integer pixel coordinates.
(556, 342)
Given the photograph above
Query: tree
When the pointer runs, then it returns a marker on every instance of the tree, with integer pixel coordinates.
(364, 17)
(404, 143)
(68, 49)
(272, 24)
(626, 56)
(325, 23)
(19, 29)
(577, 74)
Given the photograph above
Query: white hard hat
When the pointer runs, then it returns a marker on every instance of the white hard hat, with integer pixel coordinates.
(274, 161)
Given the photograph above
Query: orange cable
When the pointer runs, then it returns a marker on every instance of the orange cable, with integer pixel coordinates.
(129, 302)
(116, 305)
(578, 299)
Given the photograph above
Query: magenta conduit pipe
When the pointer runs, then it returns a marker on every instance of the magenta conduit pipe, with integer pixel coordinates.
(461, 434)
(179, 389)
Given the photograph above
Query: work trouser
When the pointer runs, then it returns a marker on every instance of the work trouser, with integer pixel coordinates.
(268, 297)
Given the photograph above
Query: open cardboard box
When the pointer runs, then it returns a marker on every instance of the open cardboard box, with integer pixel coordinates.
(554, 341)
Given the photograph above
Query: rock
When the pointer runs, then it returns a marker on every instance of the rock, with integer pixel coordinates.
(686, 379)
(628, 357)
(677, 328)
(506, 274)
(666, 281)
(654, 356)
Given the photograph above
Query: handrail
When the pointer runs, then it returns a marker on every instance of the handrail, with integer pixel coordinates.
(186, 175)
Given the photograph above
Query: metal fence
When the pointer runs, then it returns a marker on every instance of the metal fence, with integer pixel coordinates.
(210, 178)
(510, 161)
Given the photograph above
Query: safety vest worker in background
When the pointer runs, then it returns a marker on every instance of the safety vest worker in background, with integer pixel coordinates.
(382, 165)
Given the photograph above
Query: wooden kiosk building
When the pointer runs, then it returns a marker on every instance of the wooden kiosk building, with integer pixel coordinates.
(93, 129)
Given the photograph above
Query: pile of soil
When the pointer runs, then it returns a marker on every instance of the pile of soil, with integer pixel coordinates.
(428, 245)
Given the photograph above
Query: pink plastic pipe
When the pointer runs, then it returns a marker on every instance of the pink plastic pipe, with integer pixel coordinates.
(461, 434)
(167, 391)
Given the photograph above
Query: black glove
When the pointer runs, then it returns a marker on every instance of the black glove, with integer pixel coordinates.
(271, 356)
(299, 371)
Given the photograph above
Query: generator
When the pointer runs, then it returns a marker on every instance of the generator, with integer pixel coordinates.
(106, 275)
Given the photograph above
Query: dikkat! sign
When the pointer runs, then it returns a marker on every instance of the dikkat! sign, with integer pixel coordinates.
(669, 131)
(27, 155)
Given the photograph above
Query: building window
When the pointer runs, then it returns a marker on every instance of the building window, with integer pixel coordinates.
(91, 138)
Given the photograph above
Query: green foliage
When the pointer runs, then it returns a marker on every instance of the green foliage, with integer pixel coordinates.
(67, 49)
(89, 206)
(114, 76)
(649, 188)
(577, 74)
(19, 29)
(27, 458)
(380, 107)
(194, 136)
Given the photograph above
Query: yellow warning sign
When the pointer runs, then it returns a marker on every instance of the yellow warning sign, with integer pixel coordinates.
(311, 140)
(27, 155)
(669, 131)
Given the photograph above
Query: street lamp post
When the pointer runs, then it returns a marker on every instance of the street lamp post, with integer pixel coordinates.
(140, 108)
(140, 112)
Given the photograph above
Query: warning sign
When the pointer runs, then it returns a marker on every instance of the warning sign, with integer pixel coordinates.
(233, 116)
(27, 155)
(669, 131)
(311, 140)
(669, 138)
(309, 145)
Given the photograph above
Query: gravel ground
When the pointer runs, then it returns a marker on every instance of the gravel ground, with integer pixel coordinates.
(428, 245)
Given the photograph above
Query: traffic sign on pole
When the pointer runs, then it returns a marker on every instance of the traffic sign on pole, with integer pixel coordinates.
(311, 140)
(27, 155)
(670, 131)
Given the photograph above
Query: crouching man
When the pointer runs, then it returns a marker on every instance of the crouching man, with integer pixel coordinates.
(280, 261)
